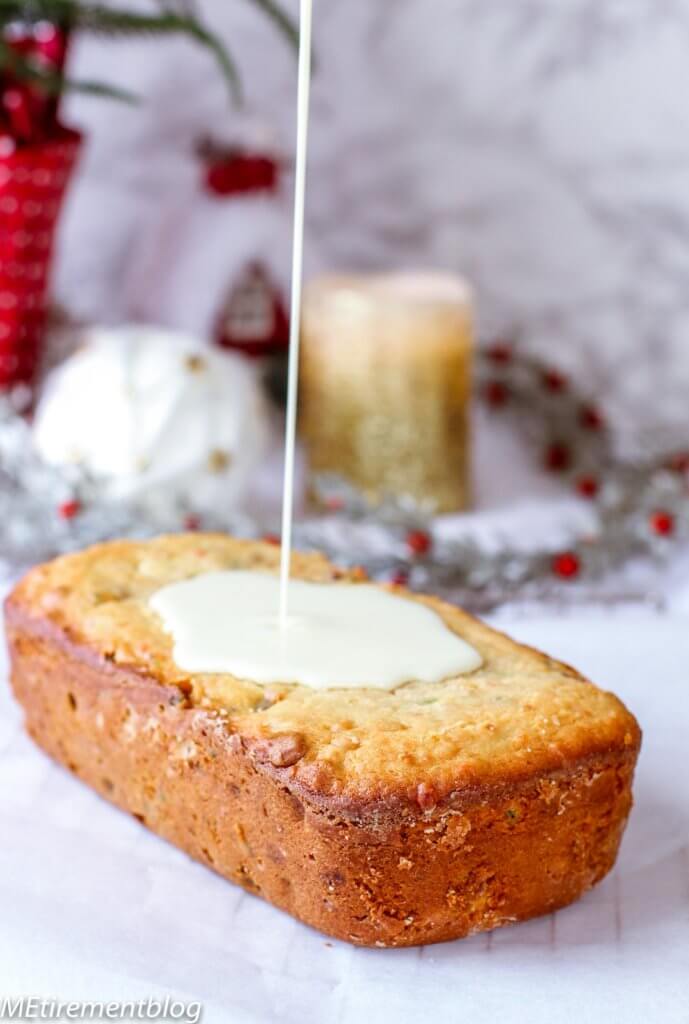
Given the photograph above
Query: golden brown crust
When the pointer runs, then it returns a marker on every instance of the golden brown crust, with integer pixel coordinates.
(520, 714)
(383, 818)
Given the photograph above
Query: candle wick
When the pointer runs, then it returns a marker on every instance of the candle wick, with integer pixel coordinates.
(303, 93)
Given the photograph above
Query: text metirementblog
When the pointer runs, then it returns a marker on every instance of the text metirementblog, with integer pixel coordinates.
(28, 1008)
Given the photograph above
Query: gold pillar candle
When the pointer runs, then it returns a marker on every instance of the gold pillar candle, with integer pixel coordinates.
(385, 378)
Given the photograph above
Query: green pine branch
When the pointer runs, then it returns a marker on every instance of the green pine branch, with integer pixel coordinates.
(116, 22)
(51, 82)
(280, 19)
(173, 18)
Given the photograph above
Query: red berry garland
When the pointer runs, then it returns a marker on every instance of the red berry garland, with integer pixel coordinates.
(587, 486)
(419, 542)
(69, 509)
(662, 523)
(591, 418)
(580, 449)
(637, 510)
(566, 565)
(496, 393)
(500, 353)
(558, 457)
(554, 381)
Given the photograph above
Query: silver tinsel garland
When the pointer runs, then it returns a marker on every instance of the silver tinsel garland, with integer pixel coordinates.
(641, 509)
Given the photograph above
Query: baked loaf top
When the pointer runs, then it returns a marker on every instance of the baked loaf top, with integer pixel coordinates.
(520, 715)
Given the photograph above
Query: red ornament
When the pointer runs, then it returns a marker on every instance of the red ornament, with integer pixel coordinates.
(254, 320)
(233, 171)
(587, 486)
(419, 542)
(271, 538)
(554, 381)
(69, 509)
(400, 578)
(192, 523)
(500, 353)
(566, 565)
(496, 393)
(33, 180)
(558, 457)
(662, 523)
(591, 418)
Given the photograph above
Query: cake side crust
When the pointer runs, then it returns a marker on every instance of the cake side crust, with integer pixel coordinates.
(390, 874)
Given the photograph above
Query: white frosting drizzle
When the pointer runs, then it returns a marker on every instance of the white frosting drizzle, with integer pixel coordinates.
(337, 634)
(303, 95)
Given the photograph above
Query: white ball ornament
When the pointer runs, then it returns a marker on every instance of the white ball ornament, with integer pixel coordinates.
(155, 415)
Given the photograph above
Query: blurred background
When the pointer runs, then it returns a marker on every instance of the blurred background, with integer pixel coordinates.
(536, 149)
(538, 146)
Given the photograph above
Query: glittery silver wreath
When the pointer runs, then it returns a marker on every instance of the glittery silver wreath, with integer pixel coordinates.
(640, 508)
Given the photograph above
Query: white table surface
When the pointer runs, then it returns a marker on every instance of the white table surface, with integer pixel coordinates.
(92, 906)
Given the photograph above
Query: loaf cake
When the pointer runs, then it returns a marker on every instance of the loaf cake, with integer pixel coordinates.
(384, 818)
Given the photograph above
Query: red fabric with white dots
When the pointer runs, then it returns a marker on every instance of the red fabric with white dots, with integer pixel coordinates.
(33, 180)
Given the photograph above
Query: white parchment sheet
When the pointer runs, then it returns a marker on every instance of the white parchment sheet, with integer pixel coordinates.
(93, 906)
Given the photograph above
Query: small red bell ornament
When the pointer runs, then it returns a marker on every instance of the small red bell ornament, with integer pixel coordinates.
(253, 319)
